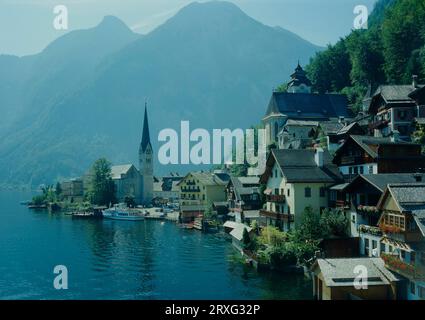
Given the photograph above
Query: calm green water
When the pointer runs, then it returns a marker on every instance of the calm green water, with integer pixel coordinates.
(124, 260)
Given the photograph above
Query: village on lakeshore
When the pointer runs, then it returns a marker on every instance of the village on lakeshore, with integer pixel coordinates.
(342, 197)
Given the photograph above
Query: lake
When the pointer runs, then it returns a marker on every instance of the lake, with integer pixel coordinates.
(109, 259)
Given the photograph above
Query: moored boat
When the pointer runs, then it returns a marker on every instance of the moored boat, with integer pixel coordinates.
(121, 213)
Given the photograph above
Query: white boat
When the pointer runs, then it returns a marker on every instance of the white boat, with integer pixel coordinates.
(123, 213)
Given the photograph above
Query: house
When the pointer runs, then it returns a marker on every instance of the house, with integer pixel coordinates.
(393, 109)
(73, 190)
(243, 195)
(166, 189)
(371, 155)
(127, 182)
(298, 103)
(198, 191)
(297, 134)
(296, 179)
(331, 134)
(403, 226)
(363, 195)
(346, 279)
(236, 230)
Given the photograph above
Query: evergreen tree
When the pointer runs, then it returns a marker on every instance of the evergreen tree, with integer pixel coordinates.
(102, 188)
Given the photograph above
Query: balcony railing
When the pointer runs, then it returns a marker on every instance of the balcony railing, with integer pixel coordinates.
(372, 210)
(191, 189)
(350, 159)
(375, 231)
(277, 215)
(280, 198)
(342, 204)
(394, 263)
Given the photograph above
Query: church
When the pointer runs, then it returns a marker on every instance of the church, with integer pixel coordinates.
(298, 103)
(132, 182)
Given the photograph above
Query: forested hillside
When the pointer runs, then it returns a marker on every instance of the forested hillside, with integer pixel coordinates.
(390, 51)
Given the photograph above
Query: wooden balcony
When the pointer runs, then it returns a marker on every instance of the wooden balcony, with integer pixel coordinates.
(278, 198)
(342, 204)
(277, 215)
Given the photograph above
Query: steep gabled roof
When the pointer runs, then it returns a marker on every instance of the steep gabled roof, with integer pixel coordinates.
(300, 166)
(117, 171)
(308, 105)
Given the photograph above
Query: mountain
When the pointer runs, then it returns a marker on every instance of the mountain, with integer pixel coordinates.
(83, 96)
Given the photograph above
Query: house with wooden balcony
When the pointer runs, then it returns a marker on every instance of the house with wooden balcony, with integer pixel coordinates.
(403, 226)
(243, 198)
(363, 195)
(370, 155)
(296, 179)
(393, 109)
(198, 191)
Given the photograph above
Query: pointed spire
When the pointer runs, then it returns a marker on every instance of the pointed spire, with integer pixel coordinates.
(145, 135)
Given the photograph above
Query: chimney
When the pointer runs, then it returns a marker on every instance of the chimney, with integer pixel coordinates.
(318, 157)
(414, 81)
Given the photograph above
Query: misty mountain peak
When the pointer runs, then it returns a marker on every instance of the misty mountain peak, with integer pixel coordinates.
(110, 22)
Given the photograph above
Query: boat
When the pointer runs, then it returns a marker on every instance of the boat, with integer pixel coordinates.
(123, 213)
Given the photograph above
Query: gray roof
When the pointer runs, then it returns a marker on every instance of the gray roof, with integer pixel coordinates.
(238, 185)
(301, 123)
(205, 178)
(308, 105)
(382, 180)
(249, 180)
(340, 272)
(117, 171)
(300, 166)
(395, 93)
(331, 127)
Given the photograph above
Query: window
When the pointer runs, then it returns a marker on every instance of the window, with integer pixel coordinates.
(412, 257)
(382, 247)
(353, 218)
(412, 288)
(322, 192)
(288, 192)
(361, 170)
(366, 246)
(203, 197)
(370, 169)
(356, 170)
(421, 291)
(276, 191)
(307, 192)
(374, 248)
(282, 192)
(275, 173)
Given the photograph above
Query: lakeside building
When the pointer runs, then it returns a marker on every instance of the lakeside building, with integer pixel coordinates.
(300, 104)
(198, 191)
(127, 182)
(334, 279)
(372, 155)
(403, 226)
(394, 108)
(296, 179)
(73, 190)
(166, 188)
(243, 198)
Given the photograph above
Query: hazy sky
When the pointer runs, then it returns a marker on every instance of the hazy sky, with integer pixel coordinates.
(26, 26)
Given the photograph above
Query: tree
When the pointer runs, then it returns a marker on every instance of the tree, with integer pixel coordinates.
(102, 188)
(418, 136)
(129, 201)
(271, 236)
(309, 228)
(58, 190)
(334, 222)
(248, 243)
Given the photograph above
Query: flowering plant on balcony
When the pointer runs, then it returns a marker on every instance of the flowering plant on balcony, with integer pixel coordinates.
(370, 230)
(385, 228)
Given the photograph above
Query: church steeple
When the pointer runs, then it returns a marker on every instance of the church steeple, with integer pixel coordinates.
(145, 135)
(299, 83)
(146, 162)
